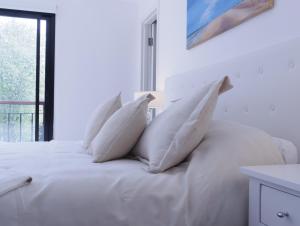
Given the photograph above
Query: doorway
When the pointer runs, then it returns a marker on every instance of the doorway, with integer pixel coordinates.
(149, 53)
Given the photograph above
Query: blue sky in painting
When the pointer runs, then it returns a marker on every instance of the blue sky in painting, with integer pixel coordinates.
(202, 12)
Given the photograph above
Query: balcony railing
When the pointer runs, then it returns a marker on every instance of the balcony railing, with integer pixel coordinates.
(17, 121)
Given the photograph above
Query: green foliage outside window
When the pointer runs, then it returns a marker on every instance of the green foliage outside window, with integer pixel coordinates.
(17, 76)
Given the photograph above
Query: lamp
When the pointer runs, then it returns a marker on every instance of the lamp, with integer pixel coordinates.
(157, 103)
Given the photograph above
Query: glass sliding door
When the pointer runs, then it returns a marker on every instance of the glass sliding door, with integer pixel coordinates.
(26, 76)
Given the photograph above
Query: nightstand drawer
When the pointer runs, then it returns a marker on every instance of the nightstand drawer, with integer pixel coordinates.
(279, 208)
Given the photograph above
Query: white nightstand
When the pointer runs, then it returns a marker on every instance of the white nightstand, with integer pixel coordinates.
(274, 198)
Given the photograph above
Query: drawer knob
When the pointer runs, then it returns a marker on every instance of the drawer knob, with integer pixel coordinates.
(282, 214)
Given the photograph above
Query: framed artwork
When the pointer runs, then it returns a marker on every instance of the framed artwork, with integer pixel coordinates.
(209, 18)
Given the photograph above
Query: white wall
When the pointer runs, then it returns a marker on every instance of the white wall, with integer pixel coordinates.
(30, 5)
(96, 56)
(276, 25)
(95, 59)
(146, 7)
(98, 49)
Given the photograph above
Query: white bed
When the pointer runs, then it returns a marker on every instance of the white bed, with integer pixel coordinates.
(207, 189)
(69, 190)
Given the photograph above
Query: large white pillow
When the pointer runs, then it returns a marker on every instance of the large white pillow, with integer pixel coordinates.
(175, 133)
(98, 118)
(121, 132)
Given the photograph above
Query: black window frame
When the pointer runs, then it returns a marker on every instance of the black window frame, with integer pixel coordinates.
(50, 19)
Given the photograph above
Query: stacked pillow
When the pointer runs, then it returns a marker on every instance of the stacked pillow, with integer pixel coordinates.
(114, 130)
(175, 133)
(98, 119)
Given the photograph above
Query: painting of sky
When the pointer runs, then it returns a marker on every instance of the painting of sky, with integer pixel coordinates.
(209, 18)
(202, 12)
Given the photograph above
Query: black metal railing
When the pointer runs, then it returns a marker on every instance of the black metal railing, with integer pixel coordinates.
(17, 121)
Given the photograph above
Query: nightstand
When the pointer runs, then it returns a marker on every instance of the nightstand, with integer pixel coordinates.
(274, 195)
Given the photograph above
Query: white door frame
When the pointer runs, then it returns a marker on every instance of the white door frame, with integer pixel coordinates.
(149, 52)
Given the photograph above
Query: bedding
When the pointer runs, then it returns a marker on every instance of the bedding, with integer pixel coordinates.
(98, 119)
(69, 190)
(121, 132)
(181, 128)
(287, 149)
(10, 181)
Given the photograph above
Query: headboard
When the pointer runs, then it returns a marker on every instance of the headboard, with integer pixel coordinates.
(266, 93)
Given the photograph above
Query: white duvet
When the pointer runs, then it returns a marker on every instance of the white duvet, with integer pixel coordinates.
(69, 190)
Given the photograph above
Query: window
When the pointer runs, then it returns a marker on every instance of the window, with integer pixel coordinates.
(27, 42)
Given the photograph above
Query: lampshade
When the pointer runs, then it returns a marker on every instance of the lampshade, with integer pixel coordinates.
(158, 102)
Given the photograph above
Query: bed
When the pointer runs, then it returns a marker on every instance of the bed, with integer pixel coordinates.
(69, 190)
(206, 189)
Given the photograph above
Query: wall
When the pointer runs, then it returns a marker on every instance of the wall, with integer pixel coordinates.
(276, 25)
(98, 53)
(96, 56)
(95, 59)
(30, 5)
(146, 8)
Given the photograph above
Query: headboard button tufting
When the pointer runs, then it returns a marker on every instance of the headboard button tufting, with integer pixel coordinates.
(291, 64)
(272, 107)
(260, 70)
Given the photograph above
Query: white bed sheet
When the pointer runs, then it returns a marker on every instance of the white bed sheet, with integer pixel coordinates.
(69, 190)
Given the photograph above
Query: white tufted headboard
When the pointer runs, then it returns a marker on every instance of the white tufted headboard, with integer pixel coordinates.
(266, 93)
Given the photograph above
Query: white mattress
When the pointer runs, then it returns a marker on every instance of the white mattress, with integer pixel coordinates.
(69, 190)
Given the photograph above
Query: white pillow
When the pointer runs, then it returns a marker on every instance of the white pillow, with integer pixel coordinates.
(121, 132)
(98, 118)
(288, 150)
(175, 133)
